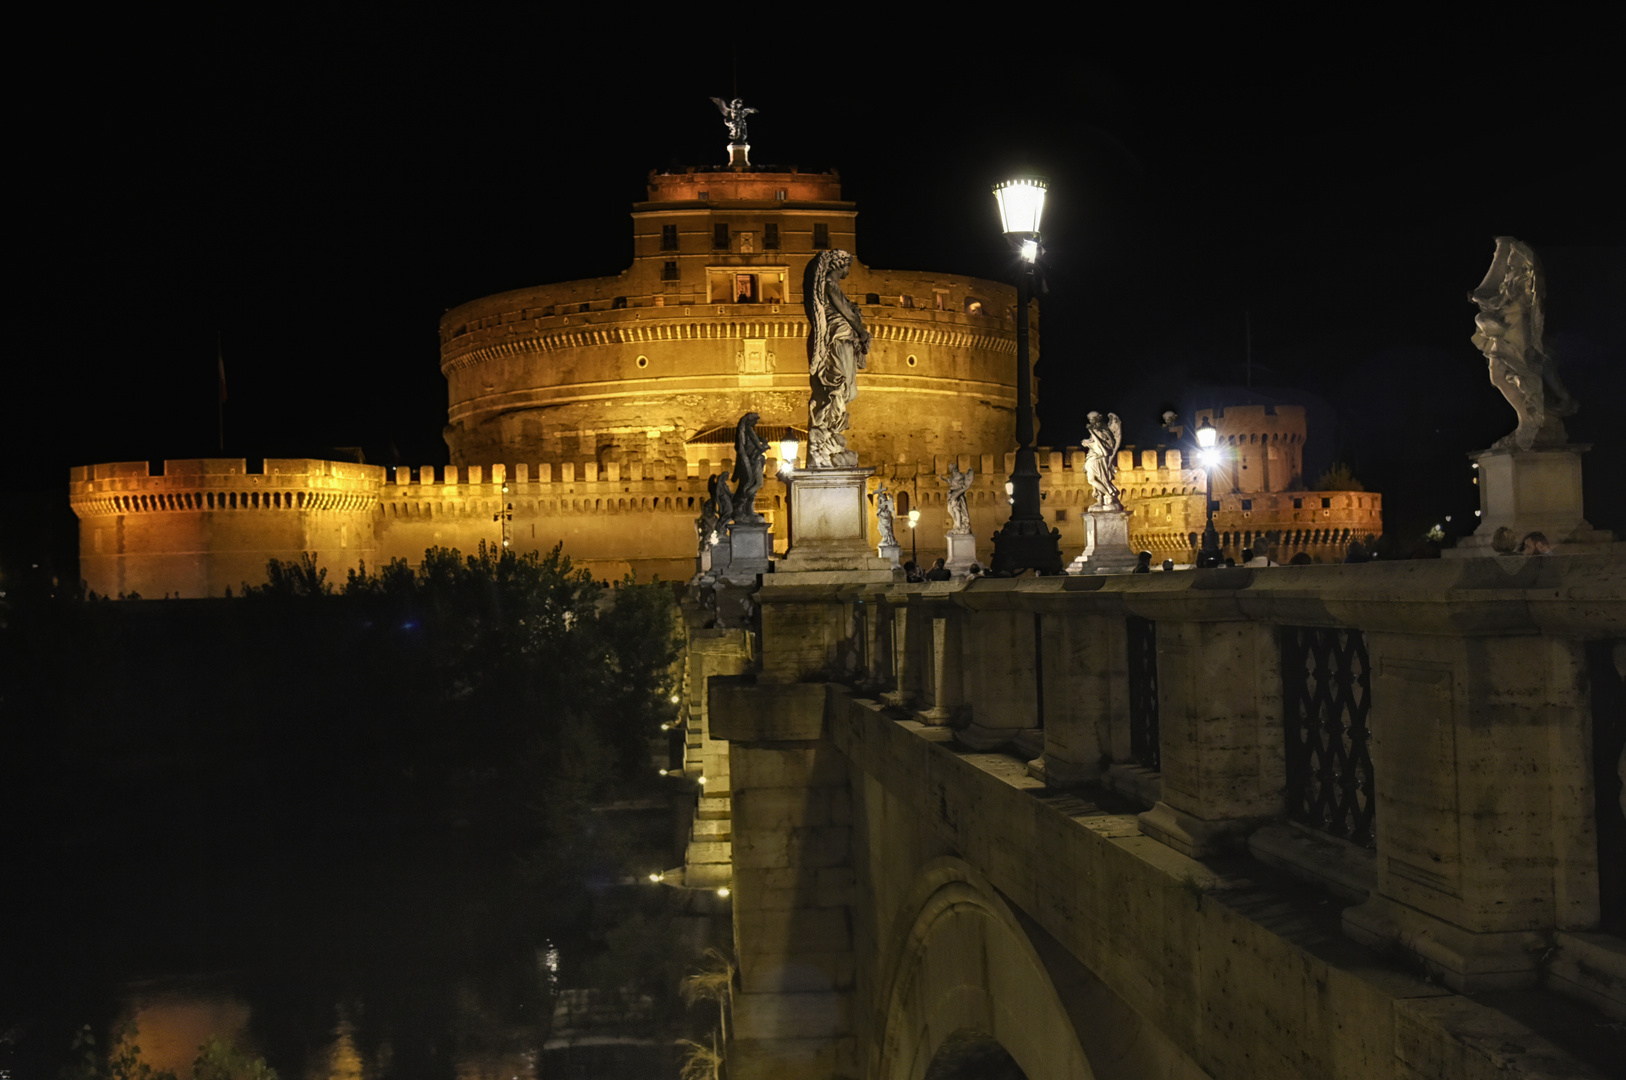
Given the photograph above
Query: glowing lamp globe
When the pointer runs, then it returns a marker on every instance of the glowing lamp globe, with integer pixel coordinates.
(1021, 206)
(787, 450)
(1206, 434)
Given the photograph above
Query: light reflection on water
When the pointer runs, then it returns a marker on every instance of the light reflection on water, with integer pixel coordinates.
(171, 1023)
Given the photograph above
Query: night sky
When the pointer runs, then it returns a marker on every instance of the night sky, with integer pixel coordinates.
(317, 196)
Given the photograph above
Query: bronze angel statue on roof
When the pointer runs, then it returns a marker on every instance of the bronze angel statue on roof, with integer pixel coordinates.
(734, 114)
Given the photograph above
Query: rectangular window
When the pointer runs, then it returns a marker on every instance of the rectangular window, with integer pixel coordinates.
(821, 236)
(780, 194)
(1298, 504)
(669, 271)
(1061, 515)
(719, 236)
(770, 236)
(1247, 504)
(1326, 504)
(669, 238)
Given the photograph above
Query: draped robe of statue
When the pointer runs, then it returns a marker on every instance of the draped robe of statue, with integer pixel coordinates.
(1511, 333)
(838, 345)
(750, 463)
(1101, 459)
(884, 515)
(959, 514)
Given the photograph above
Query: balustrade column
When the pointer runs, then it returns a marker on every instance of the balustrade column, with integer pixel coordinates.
(1485, 836)
(1219, 708)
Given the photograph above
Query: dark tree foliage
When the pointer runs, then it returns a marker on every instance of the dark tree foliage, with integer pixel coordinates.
(402, 765)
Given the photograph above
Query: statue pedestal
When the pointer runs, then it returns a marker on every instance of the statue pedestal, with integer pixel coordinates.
(829, 526)
(889, 552)
(1531, 491)
(750, 550)
(715, 559)
(962, 552)
(1106, 544)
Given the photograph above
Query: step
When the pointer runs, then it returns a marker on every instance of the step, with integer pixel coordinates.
(701, 852)
(712, 829)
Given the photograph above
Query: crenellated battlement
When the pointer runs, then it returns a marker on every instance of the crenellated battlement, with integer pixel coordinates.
(223, 484)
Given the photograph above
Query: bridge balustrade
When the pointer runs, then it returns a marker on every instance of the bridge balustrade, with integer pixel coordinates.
(1288, 711)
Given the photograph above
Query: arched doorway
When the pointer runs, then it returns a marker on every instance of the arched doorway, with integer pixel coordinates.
(971, 1055)
(969, 996)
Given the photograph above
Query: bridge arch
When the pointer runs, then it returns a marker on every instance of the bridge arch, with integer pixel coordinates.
(964, 976)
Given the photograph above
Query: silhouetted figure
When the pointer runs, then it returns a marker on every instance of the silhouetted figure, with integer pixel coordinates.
(1168, 564)
(1301, 559)
(1143, 563)
(1356, 553)
(1504, 541)
(939, 572)
(911, 572)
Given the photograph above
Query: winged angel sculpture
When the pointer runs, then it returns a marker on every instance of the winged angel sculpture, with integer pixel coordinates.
(1511, 333)
(734, 114)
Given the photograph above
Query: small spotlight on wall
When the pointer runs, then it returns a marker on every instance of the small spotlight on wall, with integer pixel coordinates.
(723, 891)
(655, 878)
(675, 699)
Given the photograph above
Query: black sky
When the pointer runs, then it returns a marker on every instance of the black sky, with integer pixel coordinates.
(318, 194)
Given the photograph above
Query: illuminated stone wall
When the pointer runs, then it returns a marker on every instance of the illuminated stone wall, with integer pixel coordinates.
(629, 368)
(207, 524)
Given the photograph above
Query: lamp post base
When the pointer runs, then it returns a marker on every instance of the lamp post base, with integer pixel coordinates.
(1026, 544)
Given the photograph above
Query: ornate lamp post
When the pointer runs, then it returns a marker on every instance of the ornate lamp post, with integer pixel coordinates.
(1208, 455)
(1025, 543)
(914, 519)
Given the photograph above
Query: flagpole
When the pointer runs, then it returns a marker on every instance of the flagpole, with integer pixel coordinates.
(220, 404)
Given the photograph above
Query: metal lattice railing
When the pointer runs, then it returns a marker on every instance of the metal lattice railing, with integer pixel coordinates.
(1326, 696)
(1143, 734)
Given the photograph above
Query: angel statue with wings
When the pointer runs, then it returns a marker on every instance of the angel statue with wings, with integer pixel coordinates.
(734, 114)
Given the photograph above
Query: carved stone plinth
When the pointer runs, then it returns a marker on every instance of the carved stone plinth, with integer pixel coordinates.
(1530, 491)
(889, 552)
(715, 559)
(750, 549)
(1106, 544)
(829, 526)
(962, 552)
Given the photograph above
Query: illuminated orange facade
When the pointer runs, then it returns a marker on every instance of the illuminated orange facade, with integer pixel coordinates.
(593, 411)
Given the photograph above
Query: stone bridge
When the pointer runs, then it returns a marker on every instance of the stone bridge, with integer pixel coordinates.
(1329, 821)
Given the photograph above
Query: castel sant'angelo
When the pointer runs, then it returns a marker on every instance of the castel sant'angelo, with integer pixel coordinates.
(592, 412)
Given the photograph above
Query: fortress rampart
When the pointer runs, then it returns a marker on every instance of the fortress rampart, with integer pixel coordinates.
(609, 401)
(202, 526)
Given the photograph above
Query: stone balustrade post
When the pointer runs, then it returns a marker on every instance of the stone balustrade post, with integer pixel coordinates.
(1485, 839)
(1219, 701)
(1000, 633)
(1086, 693)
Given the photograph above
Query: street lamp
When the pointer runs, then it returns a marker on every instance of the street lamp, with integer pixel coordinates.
(787, 453)
(914, 519)
(506, 517)
(1025, 543)
(1208, 455)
